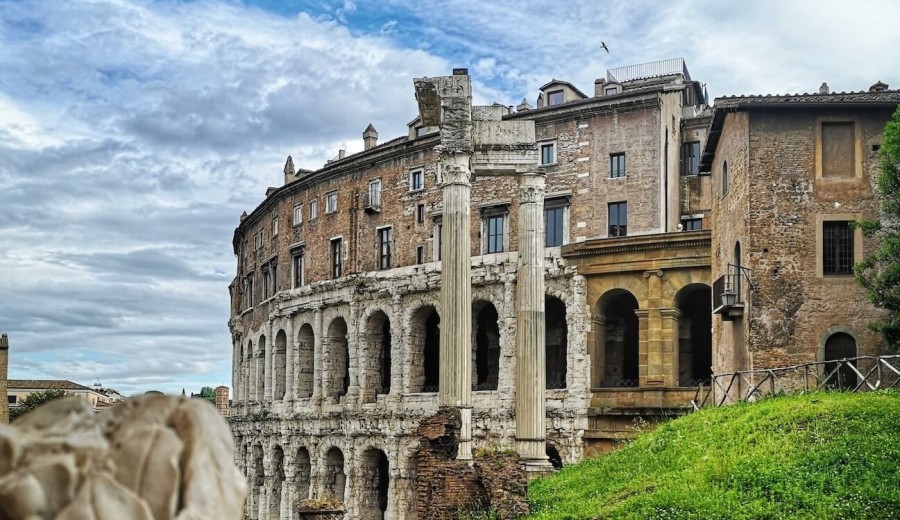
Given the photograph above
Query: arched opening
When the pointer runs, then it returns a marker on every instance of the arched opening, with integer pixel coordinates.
(246, 373)
(303, 469)
(258, 480)
(556, 340)
(694, 335)
(277, 483)
(840, 345)
(554, 457)
(338, 358)
(737, 253)
(621, 339)
(335, 478)
(279, 365)
(425, 337)
(260, 371)
(378, 371)
(375, 474)
(487, 345)
(305, 361)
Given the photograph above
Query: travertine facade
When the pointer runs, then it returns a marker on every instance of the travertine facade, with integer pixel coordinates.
(343, 338)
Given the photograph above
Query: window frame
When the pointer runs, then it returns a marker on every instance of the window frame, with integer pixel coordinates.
(551, 145)
(420, 213)
(562, 97)
(275, 226)
(619, 205)
(298, 267)
(859, 152)
(725, 180)
(614, 171)
(331, 202)
(498, 214)
(690, 164)
(370, 191)
(832, 253)
(385, 247)
(420, 255)
(313, 209)
(298, 214)
(420, 173)
(560, 204)
(687, 224)
(337, 257)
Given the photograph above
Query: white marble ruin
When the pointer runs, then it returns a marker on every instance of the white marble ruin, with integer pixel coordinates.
(147, 458)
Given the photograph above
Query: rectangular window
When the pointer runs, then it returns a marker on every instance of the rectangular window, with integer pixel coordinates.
(421, 130)
(609, 91)
(420, 255)
(298, 269)
(837, 248)
(691, 224)
(618, 219)
(416, 180)
(690, 158)
(553, 221)
(548, 153)
(555, 98)
(331, 202)
(420, 213)
(11, 399)
(266, 283)
(313, 209)
(616, 165)
(373, 197)
(494, 233)
(273, 276)
(298, 214)
(438, 236)
(385, 243)
(838, 150)
(336, 260)
(274, 227)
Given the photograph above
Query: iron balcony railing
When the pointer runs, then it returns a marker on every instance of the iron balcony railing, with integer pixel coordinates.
(728, 284)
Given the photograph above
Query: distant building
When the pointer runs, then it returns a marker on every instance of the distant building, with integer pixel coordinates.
(19, 389)
(222, 400)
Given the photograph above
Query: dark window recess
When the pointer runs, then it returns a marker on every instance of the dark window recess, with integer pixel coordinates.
(336, 262)
(494, 234)
(553, 220)
(555, 98)
(690, 158)
(725, 178)
(420, 254)
(617, 165)
(692, 224)
(420, 213)
(298, 270)
(385, 239)
(548, 153)
(837, 248)
(416, 181)
(618, 219)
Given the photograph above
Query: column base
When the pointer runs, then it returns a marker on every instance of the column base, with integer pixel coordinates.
(464, 451)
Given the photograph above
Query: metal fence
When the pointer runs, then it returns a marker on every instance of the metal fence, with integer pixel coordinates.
(649, 70)
(858, 374)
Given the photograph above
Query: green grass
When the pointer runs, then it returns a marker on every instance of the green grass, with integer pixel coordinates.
(820, 456)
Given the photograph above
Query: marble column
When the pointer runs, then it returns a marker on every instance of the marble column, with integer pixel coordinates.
(455, 384)
(530, 326)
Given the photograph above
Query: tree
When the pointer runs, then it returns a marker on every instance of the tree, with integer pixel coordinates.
(34, 400)
(880, 272)
(209, 394)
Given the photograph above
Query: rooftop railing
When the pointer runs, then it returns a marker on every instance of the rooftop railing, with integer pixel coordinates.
(649, 70)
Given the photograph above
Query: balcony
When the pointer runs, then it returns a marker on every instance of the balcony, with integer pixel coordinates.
(372, 203)
(728, 298)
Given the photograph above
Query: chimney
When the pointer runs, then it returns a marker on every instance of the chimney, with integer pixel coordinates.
(824, 89)
(370, 137)
(289, 174)
(523, 106)
(598, 86)
(4, 370)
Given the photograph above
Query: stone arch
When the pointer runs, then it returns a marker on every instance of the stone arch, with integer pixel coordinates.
(279, 365)
(335, 479)
(274, 509)
(260, 368)
(257, 481)
(378, 342)
(839, 343)
(554, 457)
(302, 473)
(694, 348)
(374, 484)
(556, 339)
(304, 375)
(485, 345)
(425, 341)
(337, 359)
(618, 336)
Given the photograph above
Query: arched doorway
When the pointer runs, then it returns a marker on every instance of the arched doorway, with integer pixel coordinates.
(303, 470)
(378, 341)
(425, 338)
(556, 341)
(620, 348)
(840, 345)
(279, 365)
(338, 358)
(305, 360)
(694, 301)
(375, 475)
(335, 478)
(487, 345)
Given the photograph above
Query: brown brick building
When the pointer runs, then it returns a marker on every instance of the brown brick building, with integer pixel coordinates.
(335, 306)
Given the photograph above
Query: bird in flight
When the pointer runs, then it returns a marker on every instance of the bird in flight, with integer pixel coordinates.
(604, 47)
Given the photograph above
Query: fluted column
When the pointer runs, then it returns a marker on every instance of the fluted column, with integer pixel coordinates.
(455, 385)
(530, 327)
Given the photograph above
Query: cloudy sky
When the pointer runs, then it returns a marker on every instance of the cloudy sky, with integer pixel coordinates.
(133, 134)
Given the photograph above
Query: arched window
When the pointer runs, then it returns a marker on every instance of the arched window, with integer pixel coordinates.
(305, 361)
(620, 339)
(338, 359)
(724, 178)
(375, 484)
(487, 346)
(335, 478)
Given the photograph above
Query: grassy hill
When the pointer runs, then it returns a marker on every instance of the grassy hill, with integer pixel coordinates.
(821, 456)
